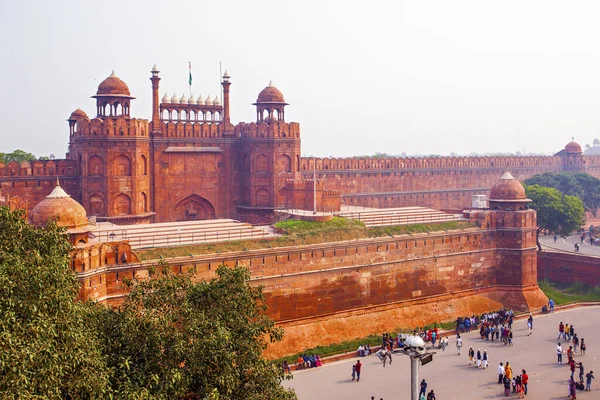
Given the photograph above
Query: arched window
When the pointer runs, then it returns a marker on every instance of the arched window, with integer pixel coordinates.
(285, 163)
(143, 202)
(143, 168)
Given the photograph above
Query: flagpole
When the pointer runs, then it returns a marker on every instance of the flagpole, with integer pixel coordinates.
(190, 68)
(221, 87)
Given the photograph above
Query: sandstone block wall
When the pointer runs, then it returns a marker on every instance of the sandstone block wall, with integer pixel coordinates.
(568, 268)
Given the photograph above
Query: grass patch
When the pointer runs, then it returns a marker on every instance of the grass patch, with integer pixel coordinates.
(303, 233)
(352, 345)
(563, 294)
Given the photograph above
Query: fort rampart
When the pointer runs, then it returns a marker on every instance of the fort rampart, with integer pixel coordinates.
(309, 286)
(569, 268)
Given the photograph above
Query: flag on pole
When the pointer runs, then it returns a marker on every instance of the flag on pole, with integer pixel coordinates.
(190, 74)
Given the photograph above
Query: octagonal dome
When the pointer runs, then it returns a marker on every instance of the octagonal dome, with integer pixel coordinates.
(270, 94)
(113, 86)
(59, 206)
(508, 189)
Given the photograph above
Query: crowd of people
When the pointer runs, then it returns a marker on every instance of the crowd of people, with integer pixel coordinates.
(306, 361)
(567, 334)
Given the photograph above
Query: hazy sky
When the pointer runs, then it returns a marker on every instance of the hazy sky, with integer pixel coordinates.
(360, 76)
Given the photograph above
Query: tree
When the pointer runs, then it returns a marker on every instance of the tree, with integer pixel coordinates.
(172, 338)
(556, 212)
(581, 185)
(17, 155)
(47, 348)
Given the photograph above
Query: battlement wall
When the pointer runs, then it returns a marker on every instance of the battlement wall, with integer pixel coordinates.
(568, 268)
(99, 127)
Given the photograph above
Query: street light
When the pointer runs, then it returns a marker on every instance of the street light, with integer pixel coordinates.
(414, 348)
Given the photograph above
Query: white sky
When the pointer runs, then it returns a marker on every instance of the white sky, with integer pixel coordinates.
(429, 77)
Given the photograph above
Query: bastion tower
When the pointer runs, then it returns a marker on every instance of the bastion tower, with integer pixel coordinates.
(514, 226)
(111, 151)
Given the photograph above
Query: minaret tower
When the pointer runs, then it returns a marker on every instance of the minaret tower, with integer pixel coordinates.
(155, 79)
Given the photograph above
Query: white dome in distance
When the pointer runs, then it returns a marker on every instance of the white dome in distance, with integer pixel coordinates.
(192, 100)
(217, 102)
(200, 100)
(208, 101)
(183, 99)
(166, 99)
(174, 99)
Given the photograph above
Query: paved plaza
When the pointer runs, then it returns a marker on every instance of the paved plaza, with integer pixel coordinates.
(452, 378)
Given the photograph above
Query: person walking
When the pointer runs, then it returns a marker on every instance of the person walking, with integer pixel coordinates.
(458, 344)
(572, 389)
(559, 353)
(524, 381)
(353, 372)
(588, 381)
(575, 343)
(500, 373)
(478, 358)
(506, 382)
(358, 368)
(582, 347)
(485, 359)
(471, 355)
(423, 388)
(529, 327)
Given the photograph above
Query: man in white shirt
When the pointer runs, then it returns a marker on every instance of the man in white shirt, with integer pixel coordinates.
(559, 353)
(500, 373)
(458, 344)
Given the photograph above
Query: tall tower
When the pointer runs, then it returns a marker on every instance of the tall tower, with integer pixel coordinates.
(226, 84)
(155, 79)
(270, 157)
(572, 158)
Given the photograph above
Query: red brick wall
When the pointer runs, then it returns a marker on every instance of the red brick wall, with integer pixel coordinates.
(568, 268)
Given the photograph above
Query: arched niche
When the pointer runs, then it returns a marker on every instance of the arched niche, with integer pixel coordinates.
(194, 207)
(96, 202)
(263, 198)
(143, 167)
(122, 166)
(95, 166)
(285, 163)
(262, 163)
(122, 204)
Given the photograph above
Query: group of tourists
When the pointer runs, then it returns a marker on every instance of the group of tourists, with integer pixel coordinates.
(567, 333)
(518, 383)
(466, 324)
(364, 350)
(307, 361)
(423, 392)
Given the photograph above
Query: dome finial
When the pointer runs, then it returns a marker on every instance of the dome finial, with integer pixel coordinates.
(270, 84)
(57, 182)
(113, 74)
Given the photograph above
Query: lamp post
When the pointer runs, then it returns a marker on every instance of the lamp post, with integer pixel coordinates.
(414, 348)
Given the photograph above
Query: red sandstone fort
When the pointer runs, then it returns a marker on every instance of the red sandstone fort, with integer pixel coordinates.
(189, 162)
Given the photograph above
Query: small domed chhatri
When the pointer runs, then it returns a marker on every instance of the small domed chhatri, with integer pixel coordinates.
(270, 94)
(59, 206)
(507, 188)
(508, 192)
(79, 113)
(113, 86)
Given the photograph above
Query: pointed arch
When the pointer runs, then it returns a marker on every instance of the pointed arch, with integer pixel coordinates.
(122, 204)
(194, 207)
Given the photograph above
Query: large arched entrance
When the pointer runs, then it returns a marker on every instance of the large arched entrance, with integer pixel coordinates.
(194, 207)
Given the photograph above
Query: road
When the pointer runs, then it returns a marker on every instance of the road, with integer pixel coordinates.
(567, 244)
(450, 375)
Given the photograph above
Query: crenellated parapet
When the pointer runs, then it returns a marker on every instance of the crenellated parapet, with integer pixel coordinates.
(362, 163)
(108, 127)
(39, 168)
(277, 129)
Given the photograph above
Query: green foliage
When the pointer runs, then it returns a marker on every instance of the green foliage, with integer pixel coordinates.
(17, 155)
(563, 294)
(581, 185)
(47, 349)
(555, 211)
(172, 338)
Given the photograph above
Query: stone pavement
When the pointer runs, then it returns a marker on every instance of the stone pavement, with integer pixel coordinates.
(452, 378)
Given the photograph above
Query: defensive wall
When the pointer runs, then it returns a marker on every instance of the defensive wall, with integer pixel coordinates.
(316, 291)
(568, 267)
(445, 183)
